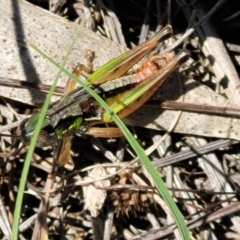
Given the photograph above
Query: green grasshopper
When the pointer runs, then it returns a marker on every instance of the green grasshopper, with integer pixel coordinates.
(78, 111)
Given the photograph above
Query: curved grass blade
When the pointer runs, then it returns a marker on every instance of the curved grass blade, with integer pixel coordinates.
(18, 206)
(176, 214)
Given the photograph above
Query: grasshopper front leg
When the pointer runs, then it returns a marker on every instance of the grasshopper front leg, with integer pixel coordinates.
(62, 153)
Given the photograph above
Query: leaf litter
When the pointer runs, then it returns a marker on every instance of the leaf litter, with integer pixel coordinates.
(205, 185)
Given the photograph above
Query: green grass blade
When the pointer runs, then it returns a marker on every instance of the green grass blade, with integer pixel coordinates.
(176, 214)
(18, 206)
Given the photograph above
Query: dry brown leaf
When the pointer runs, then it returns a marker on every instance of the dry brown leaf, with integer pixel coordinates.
(93, 196)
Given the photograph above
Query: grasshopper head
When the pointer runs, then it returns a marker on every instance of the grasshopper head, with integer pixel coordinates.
(46, 136)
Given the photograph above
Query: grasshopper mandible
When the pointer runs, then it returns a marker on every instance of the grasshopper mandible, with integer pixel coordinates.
(78, 111)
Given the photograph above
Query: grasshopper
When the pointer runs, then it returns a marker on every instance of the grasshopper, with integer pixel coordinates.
(79, 112)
